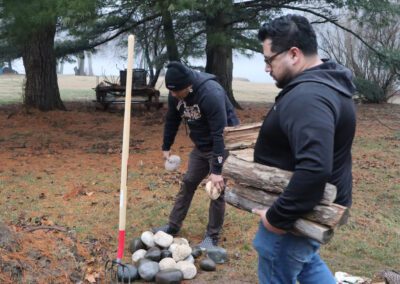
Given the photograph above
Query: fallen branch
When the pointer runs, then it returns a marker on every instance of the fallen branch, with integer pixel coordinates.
(49, 228)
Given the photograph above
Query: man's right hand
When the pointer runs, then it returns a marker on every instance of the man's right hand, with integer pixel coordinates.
(166, 154)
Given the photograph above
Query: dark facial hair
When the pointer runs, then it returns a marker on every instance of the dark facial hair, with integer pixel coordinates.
(286, 79)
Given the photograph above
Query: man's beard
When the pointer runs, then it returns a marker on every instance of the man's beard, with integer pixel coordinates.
(282, 82)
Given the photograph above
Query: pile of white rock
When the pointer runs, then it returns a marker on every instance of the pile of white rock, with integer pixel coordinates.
(164, 259)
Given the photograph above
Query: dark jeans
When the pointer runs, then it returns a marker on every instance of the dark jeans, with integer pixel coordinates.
(198, 169)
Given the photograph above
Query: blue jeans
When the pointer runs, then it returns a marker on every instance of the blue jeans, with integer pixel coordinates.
(285, 259)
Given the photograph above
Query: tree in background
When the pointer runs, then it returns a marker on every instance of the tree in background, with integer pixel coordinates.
(43, 30)
(376, 76)
(28, 29)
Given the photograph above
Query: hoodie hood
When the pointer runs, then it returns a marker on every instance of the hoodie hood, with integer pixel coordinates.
(199, 78)
(328, 73)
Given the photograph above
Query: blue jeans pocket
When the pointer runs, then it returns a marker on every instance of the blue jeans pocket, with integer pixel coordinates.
(266, 243)
(301, 249)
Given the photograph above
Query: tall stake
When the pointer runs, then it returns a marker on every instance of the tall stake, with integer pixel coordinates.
(125, 150)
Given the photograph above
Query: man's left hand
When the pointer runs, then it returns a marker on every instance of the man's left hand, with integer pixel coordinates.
(262, 213)
(218, 182)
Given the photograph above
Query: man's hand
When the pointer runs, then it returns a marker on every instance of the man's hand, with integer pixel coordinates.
(262, 213)
(218, 182)
(166, 154)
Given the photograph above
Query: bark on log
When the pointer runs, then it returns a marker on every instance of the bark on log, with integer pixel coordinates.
(242, 136)
(265, 178)
(320, 233)
(331, 216)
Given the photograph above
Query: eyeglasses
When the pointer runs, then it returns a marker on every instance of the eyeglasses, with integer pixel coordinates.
(268, 60)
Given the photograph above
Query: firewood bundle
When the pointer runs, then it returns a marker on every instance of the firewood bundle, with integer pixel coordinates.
(258, 186)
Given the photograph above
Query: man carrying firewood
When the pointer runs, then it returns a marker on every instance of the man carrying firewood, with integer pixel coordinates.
(309, 131)
(201, 102)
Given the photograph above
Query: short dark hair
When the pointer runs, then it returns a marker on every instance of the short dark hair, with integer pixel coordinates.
(290, 31)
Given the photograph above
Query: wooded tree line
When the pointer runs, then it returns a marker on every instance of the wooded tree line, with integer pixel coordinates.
(44, 31)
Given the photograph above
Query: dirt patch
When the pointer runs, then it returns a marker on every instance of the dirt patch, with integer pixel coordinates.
(41, 254)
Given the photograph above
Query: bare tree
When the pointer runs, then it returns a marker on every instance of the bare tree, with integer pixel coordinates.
(376, 80)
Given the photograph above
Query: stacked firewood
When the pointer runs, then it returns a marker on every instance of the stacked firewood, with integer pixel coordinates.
(258, 186)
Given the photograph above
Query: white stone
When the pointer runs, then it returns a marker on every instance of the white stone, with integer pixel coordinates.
(190, 259)
(167, 263)
(212, 191)
(172, 247)
(181, 241)
(163, 239)
(138, 255)
(172, 163)
(148, 239)
(181, 252)
(188, 269)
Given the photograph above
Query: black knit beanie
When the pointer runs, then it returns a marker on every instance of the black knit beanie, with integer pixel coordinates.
(178, 76)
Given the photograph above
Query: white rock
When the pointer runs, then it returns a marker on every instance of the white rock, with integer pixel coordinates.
(188, 269)
(138, 255)
(167, 263)
(181, 252)
(212, 191)
(172, 247)
(190, 259)
(172, 163)
(148, 239)
(181, 241)
(163, 239)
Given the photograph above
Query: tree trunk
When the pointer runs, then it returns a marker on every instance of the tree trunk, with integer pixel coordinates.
(41, 89)
(172, 48)
(266, 178)
(81, 64)
(219, 50)
(155, 78)
(90, 65)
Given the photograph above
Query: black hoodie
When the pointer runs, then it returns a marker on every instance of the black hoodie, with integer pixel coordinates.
(309, 131)
(206, 110)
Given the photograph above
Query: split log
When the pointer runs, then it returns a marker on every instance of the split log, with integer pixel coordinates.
(242, 136)
(320, 233)
(331, 216)
(265, 178)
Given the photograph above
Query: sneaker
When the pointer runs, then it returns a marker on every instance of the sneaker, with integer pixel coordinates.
(207, 243)
(166, 229)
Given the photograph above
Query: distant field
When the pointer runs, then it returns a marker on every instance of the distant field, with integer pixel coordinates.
(80, 88)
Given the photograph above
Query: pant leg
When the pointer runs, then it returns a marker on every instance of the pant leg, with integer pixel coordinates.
(198, 169)
(316, 271)
(216, 211)
(287, 258)
(268, 246)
